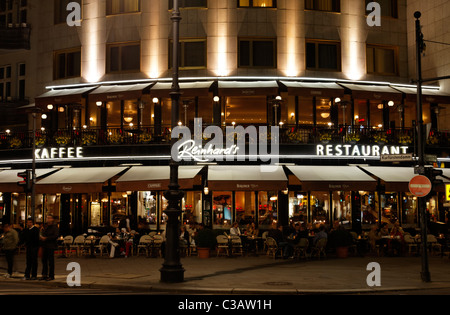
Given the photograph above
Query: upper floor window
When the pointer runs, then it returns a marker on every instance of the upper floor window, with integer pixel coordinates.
(323, 55)
(192, 53)
(389, 8)
(382, 60)
(122, 6)
(67, 64)
(61, 12)
(6, 13)
(123, 57)
(189, 3)
(5, 82)
(257, 3)
(257, 53)
(323, 5)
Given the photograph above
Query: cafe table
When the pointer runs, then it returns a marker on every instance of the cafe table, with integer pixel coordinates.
(90, 242)
(252, 241)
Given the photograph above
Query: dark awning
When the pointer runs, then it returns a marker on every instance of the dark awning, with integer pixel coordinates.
(63, 96)
(248, 88)
(155, 178)
(373, 92)
(187, 89)
(333, 178)
(318, 89)
(428, 95)
(106, 93)
(247, 178)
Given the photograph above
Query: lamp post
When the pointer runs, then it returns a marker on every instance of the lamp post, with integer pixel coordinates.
(172, 271)
(425, 273)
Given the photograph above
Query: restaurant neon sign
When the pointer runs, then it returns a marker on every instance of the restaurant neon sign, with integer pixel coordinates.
(58, 153)
(358, 150)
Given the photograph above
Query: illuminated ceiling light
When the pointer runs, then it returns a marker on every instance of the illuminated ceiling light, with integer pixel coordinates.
(155, 100)
(44, 116)
(380, 106)
(216, 99)
(61, 109)
(180, 123)
(337, 100)
(325, 115)
(128, 119)
(84, 126)
(131, 125)
(99, 103)
(391, 103)
(50, 106)
(8, 131)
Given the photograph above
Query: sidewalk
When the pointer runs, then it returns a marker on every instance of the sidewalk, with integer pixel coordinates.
(247, 275)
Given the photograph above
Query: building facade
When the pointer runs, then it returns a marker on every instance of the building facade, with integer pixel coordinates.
(338, 89)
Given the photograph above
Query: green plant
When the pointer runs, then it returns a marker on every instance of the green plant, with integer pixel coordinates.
(145, 137)
(205, 238)
(380, 137)
(62, 139)
(88, 138)
(405, 139)
(15, 143)
(433, 139)
(40, 140)
(295, 136)
(353, 137)
(115, 138)
(325, 136)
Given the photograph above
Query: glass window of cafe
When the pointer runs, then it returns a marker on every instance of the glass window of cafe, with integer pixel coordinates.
(342, 206)
(151, 207)
(320, 207)
(298, 206)
(267, 209)
(222, 209)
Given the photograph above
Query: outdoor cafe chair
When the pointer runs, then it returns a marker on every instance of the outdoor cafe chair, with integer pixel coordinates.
(103, 245)
(157, 244)
(319, 249)
(222, 244)
(78, 244)
(301, 248)
(272, 246)
(410, 243)
(144, 244)
(236, 245)
(433, 244)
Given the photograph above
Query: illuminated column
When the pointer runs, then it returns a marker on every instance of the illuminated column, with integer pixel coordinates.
(222, 38)
(290, 38)
(93, 40)
(353, 32)
(153, 39)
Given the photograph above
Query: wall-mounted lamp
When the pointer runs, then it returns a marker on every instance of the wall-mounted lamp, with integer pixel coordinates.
(206, 190)
(50, 106)
(99, 103)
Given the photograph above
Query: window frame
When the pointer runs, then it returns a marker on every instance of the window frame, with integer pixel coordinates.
(338, 4)
(121, 45)
(56, 53)
(395, 49)
(256, 39)
(182, 53)
(183, 5)
(251, 6)
(56, 4)
(121, 13)
(394, 9)
(317, 42)
(5, 81)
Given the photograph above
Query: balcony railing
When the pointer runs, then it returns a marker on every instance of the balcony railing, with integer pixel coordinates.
(15, 36)
(289, 135)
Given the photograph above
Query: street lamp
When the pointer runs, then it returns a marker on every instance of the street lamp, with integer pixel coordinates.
(172, 270)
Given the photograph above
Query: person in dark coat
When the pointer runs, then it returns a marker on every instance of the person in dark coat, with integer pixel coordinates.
(30, 238)
(49, 244)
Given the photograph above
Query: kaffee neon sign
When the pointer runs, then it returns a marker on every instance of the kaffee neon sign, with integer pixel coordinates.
(58, 153)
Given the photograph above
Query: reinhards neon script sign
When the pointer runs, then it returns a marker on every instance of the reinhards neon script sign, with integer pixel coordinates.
(58, 153)
(237, 140)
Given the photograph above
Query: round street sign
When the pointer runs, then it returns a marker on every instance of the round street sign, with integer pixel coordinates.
(420, 186)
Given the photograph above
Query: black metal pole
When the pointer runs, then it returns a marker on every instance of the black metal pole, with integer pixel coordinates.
(33, 170)
(172, 271)
(425, 274)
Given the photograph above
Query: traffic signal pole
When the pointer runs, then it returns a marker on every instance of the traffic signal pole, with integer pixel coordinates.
(425, 273)
(33, 172)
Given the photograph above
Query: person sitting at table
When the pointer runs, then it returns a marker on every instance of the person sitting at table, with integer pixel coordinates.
(321, 234)
(252, 230)
(397, 240)
(112, 245)
(234, 230)
(374, 237)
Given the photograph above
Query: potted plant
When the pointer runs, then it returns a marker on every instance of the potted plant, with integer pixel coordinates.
(145, 137)
(405, 139)
(15, 143)
(325, 137)
(205, 240)
(295, 136)
(40, 141)
(341, 240)
(88, 139)
(62, 140)
(115, 138)
(353, 138)
(380, 138)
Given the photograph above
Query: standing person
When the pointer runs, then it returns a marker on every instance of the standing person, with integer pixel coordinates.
(30, 237)
(48, 238)
(10, 241)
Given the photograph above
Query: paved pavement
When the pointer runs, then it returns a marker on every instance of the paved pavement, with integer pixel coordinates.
(248, 274)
